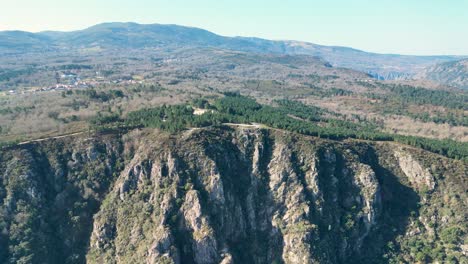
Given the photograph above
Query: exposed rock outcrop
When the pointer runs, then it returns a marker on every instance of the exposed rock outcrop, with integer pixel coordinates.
(418, 176)
(225, 195)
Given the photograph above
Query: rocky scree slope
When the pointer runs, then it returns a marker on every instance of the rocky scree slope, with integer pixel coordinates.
(229, 195)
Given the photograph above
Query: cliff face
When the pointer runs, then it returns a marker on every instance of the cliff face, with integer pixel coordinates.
(229, 196)
(48, 196)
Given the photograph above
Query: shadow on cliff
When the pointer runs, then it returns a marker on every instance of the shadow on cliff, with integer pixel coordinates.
(258, 243)
(68, 208)
(399, 203)
(340, 221)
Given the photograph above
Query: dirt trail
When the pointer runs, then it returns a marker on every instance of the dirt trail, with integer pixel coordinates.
(54, 137)
(253, 125)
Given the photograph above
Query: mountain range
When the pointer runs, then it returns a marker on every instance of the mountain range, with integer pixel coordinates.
(110, 36)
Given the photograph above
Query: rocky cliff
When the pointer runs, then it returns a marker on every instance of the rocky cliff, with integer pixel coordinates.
(229, 195)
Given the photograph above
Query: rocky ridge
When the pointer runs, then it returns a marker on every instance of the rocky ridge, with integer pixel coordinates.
(229, 195)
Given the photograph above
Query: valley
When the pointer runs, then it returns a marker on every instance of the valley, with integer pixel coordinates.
(133, 143)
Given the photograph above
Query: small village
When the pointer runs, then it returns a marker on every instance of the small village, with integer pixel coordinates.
(70, 81)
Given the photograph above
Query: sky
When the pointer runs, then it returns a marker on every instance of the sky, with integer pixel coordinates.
(419, 27)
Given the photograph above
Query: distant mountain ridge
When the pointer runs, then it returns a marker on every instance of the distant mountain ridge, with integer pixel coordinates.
(454, 73)
(138, 36)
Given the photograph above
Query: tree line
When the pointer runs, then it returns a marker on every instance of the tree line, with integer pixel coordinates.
(288, 115)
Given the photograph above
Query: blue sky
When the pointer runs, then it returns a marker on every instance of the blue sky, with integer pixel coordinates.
(421, 27)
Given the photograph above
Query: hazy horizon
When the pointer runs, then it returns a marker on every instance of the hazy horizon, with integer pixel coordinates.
(389, 27)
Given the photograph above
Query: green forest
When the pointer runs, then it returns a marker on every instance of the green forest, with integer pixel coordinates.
(283, 114)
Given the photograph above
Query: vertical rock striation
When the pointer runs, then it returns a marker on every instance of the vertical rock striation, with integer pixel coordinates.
(221, 195)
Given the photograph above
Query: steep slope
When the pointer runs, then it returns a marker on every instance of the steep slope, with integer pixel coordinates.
(136, 36)
(229, 195)
(49, 194)
(380, 66)
(454, 73)
(24, 42)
